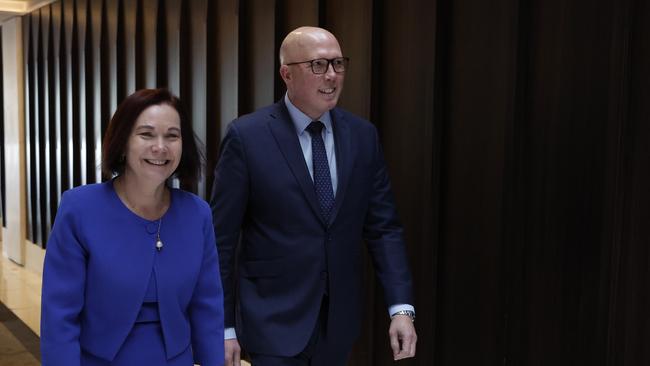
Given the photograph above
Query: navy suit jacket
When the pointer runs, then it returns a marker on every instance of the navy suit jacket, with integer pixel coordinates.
(277, 255)
(98, 262)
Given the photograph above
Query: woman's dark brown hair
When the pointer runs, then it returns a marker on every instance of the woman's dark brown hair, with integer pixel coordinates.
(119, 130)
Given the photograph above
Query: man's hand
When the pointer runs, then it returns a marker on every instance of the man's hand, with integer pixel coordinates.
(402, 337)
(233, 352)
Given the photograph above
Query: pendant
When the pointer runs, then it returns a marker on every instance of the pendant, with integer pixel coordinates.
(159, 244)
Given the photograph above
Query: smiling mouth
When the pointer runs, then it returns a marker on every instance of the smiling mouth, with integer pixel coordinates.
(157, 162)
(327, 91)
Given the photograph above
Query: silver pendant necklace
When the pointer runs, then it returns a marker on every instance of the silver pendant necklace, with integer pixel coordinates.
(159, 243)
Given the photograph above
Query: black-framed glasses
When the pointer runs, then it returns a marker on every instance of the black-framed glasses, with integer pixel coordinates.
(320, 65)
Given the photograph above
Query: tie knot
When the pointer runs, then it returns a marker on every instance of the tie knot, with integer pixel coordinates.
(315, 128)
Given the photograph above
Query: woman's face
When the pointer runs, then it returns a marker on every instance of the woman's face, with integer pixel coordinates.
(154, 149)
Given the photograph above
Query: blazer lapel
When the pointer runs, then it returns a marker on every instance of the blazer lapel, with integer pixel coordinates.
(344, 158)
(285, 135)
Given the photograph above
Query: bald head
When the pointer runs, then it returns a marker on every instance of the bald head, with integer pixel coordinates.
(301, 41)
(313, 93)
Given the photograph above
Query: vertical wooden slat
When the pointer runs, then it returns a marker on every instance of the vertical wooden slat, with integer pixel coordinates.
(291, 14)
(35, 125)
(296, 13)
(616, 204)
(84, 112)
(64, 103)
(29, 174)
(222, 75)
(161, 45)
(71, 86)
(630, 326)
(353, 29)
(128, 43)
(114, 45)
(45, 122)
(212, 95)
(95, 81)
(172, 30)
(227, 25)
(174, 34)
(106, 65)
(57, 102)
(257, 52)
(29, 164)
(149, 27)
(473, 184)
(198, 67)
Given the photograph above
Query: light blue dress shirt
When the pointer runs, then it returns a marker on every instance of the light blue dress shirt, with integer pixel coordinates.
(300, 122)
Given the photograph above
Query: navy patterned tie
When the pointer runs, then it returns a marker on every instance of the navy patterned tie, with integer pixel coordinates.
(322, 178)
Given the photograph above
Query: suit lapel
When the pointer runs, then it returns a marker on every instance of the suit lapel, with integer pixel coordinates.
(285, 135)
(344, 158)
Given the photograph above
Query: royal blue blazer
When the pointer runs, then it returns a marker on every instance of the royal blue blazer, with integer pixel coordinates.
(98, 262)
(264, 204)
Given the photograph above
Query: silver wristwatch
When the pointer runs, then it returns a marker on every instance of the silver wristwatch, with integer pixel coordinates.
(409, 313)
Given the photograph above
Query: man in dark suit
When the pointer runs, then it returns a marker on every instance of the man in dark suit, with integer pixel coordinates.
(298, 187)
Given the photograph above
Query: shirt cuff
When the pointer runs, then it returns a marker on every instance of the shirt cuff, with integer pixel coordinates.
(229, 333)
(399, 307)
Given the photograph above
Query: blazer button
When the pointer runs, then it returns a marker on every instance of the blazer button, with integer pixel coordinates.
(323, 275)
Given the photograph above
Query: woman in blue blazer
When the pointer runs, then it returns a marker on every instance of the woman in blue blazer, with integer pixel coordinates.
(131, 271)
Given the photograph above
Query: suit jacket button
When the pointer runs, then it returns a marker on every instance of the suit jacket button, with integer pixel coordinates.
(323, 275)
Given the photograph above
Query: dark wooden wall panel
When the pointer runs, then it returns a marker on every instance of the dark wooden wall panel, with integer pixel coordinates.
(257, 54)
(402, 108)
(213, 91)
(607, 332)
(115, 73)
(291, 14)
(198, 67)
(631, 324)
(565, 136)
(39, 126)
(128, 43)
(56, 107)
(296, 13)
(31, 203)
(32, 130)
(149, 30)
(46, 115)
(475, 112)
(75, 103)
(106, 65)
(69, 60)
(227, 26)
(353, 28)
(88, 92)
(173, 25)
(95, 83)
(179, 42)
(83, 113)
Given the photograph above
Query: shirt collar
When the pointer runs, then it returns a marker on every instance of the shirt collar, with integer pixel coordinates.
(301, 120)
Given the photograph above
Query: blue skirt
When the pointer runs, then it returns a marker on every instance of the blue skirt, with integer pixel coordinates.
(143, 346)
